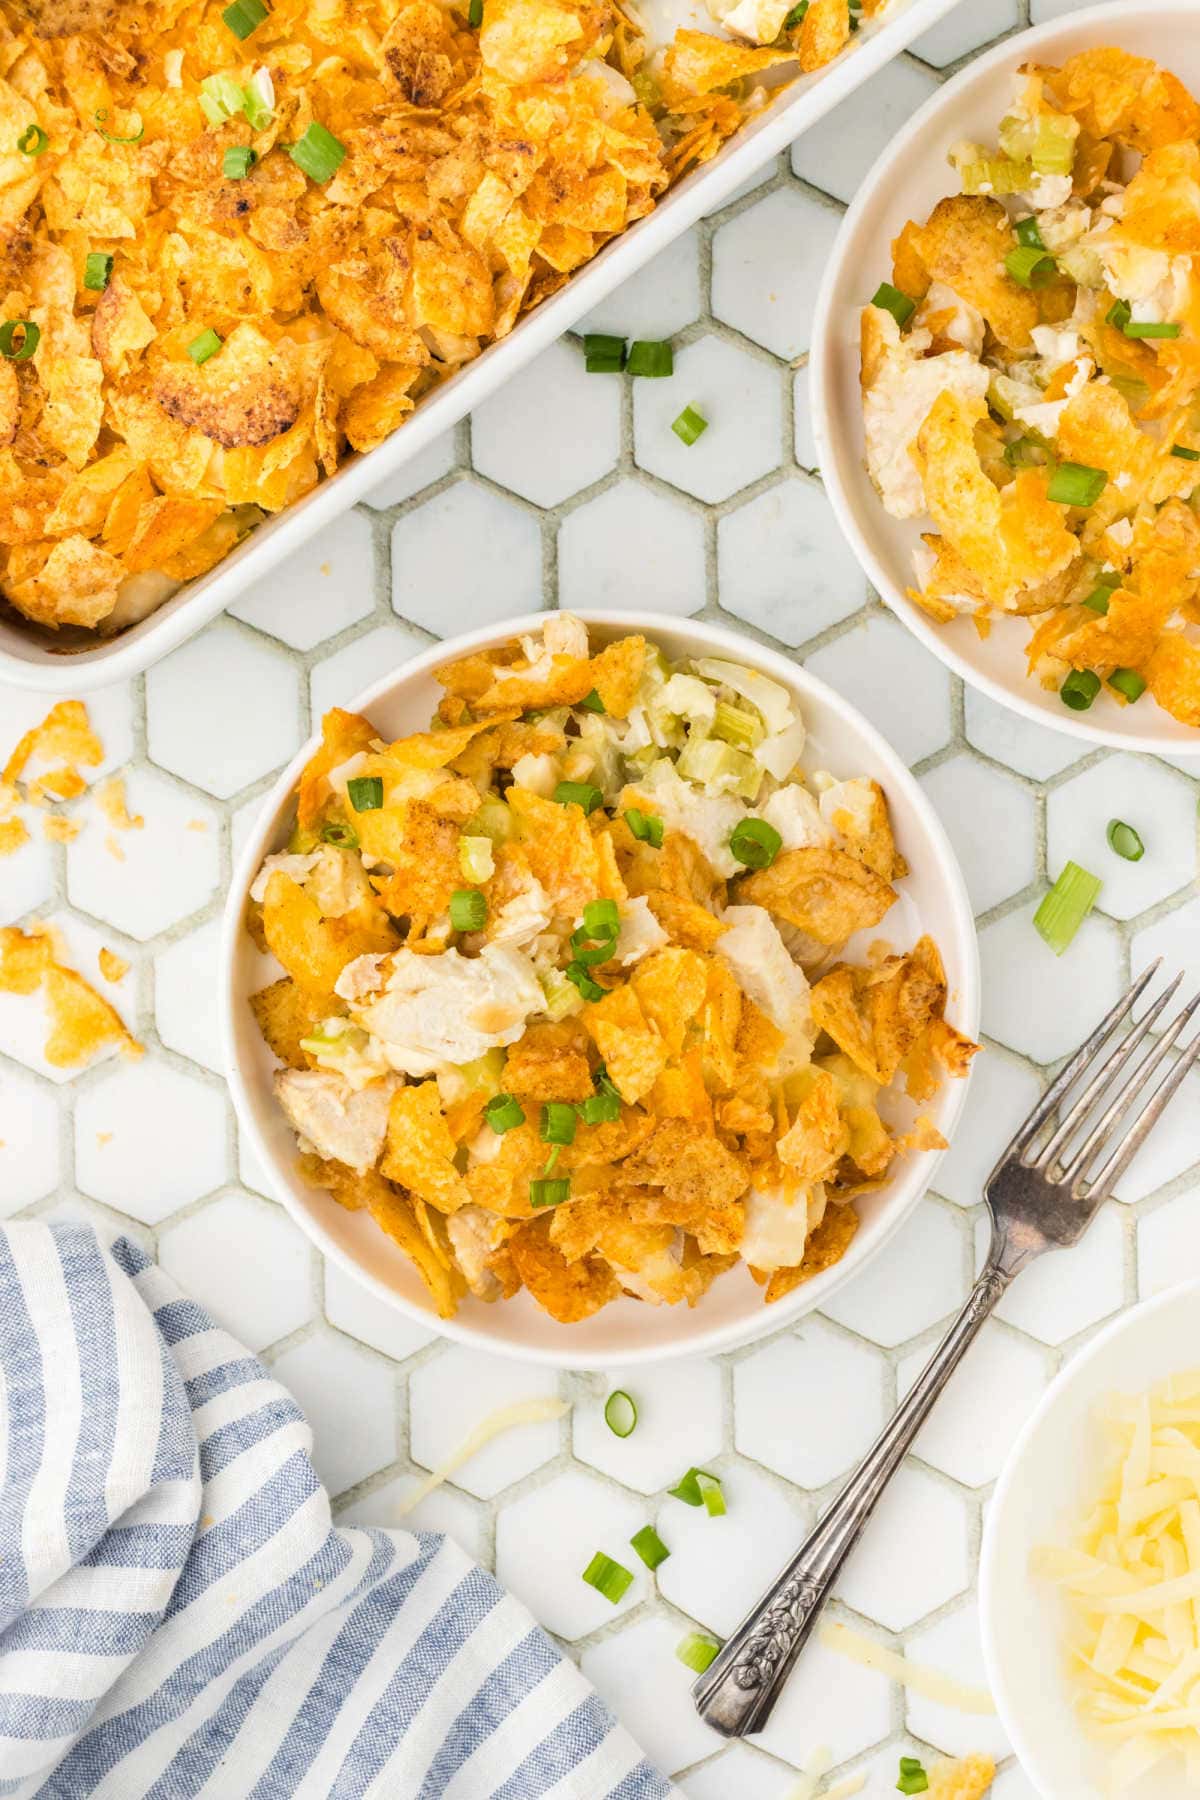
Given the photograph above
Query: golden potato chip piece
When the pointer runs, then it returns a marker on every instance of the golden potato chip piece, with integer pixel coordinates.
(685, 922)
(824, 32)
(630, 1045)
(562, 851)
(549, 1063)
(616, 673)
(314, 950)
(877, 1015)
(402, 1219)
(963, 244)
(246, 394)
(13, 835)
(961, 1778)
(81, 1024)
(817, 1139)
(420, 1150)
(285, 1013)
(1115, 94)
(113, 967)
(342, 735)
(700, 1184)
(696, 62)
(909, 273)
(721, 1024)
(72, 583)
(568, 1291)
(827, 893)
(1173, 675)
(671, 985)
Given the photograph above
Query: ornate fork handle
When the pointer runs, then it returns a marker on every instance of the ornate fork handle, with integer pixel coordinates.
(738, 1689)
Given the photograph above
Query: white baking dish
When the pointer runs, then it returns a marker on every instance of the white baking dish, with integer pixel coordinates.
(30, 660)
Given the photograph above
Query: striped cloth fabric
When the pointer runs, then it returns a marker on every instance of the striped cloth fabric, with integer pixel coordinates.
(179, 1619)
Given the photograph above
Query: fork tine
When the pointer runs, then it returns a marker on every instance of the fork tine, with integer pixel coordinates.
(1110, 1067)
(1068, 1075)
(1125, 1152)
(1126, 1094)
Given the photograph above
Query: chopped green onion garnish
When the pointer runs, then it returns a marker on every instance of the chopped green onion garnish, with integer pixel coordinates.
(258, 100)
(649, 1546)
(1153, 328)
(892, 300)
(502, 1113)
(204, 346)
(1028, 233)
(549, 1193)
(221, 98)
(913, 1779)
(694, 1488)
(689, 425)
(1066, 906)
(97, 269)
(646, 357)
(578, 976)
(601, 1108)
(336, 831)
(578, 793)
(1079, 689)
(30, 336)
(1125, 841)
(755, 843)
(244, 16)
(366, 792)
(593, 947)
(593, 703)
(32, 141)
(600, 917)
(238, 161)
(696, 1651)
(603, 355)
(1118, 314)
(1029, 266)
(647, 828)
(474, 14)
(1182, 451)
(1127, 682)
(110, 137)
(558, 1123)
(796, 16)
(551, 1162)
(468, 909)
(318, 153)
(608, 1577)
(620, 1413)
(1074, 484)
(1100, 596)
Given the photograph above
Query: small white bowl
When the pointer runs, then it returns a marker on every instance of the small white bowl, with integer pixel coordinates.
(1042, 1493)
(906, 182)
(933, 899)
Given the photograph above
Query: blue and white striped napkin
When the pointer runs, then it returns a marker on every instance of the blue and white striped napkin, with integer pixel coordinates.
(179, 1620)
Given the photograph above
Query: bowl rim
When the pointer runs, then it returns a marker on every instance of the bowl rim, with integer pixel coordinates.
(916, 1174)
(1013, 1478)
(829, 426)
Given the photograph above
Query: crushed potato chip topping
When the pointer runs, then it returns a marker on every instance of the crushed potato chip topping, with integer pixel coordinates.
(264, 316)
(1031, 381)
(651, 1045)
(81, 1025)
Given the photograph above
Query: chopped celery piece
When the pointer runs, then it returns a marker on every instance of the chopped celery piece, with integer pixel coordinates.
(720, 768)
(475, 858)
(563, 998)
(737, 726)
(772, 700)
(1066, 906)
(1053, 151)
(485, 1073)
(995, 175)
(493, 820)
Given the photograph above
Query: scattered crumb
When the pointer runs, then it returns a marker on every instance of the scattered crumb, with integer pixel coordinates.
(81, 1023)
(65, 736)
(112, 966)
(110, 797)
(59, 828)
(13, 834)
(197, 824)
(63, 784)
(104, 1137)
(325, 569)
(113, 848)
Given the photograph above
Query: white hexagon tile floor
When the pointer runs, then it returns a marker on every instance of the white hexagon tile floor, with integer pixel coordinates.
(571, 490)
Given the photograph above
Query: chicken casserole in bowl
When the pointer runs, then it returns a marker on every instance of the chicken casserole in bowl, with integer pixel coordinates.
(588, 993)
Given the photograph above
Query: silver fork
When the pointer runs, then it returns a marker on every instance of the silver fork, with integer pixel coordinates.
(1039, 1198)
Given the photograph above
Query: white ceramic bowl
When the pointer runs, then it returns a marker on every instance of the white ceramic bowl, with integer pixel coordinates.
(906, 182)
(933, 898)
(1044, 1489)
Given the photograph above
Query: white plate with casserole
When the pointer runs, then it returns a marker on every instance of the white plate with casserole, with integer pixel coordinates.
(29, 658)
(932, 899)
(906, 183)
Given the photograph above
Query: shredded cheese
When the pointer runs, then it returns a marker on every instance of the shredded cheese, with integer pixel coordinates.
(816, 1764)
(853, 1784)
(1131, 1580)
(507, 1418)
(931, 1683)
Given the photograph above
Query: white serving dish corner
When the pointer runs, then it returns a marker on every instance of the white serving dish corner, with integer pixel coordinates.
(30, 661)
(905, 183)
(933, 899)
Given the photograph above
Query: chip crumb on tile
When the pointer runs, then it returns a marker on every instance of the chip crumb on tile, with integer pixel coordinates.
(112, 966)
(197, 824)
(114, 849)
(104, 1137)
(60, 828)
(13, 834)
(110, 797)
(80, 1023)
